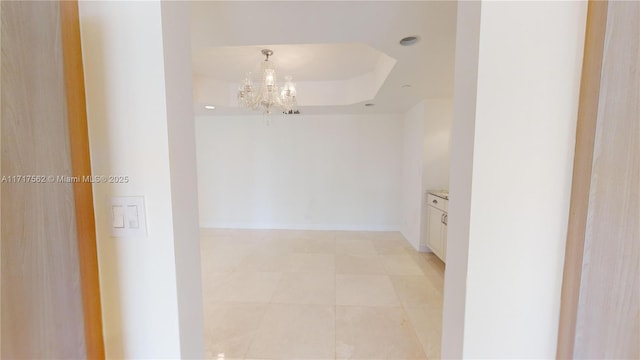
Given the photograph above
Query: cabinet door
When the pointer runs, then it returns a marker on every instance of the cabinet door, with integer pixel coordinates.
(434, 235)
(444, 239)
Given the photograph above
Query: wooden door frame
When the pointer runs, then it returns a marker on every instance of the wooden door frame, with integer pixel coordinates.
(599, 304)
(81, 166)
(581, 182)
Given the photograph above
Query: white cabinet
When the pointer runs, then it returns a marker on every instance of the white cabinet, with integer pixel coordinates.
(437, 225)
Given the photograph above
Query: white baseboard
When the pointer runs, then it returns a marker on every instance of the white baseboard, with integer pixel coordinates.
(327, 227)
(413, 245)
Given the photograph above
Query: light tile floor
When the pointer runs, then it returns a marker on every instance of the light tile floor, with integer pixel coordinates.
(288, 294)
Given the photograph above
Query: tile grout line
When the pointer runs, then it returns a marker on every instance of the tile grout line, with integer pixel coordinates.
(335, 300)
(264, 314)
(262, 319)
(415, 331)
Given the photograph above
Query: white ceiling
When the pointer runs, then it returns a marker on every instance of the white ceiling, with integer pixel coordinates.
(328, 43)
(309, 62)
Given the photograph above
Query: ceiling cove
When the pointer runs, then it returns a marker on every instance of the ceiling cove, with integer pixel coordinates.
(341, 55)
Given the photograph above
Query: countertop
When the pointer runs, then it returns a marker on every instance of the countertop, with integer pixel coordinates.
(444, 194)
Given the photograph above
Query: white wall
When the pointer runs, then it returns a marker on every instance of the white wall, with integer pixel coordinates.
(425, 163)
(436, 154)
(436, 150)
(512, 180)
(461, 176)
(139, 125)
(301, 172)
(412, 170)
(176, 21)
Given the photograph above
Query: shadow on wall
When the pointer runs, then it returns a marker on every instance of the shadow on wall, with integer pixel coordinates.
(110, 289)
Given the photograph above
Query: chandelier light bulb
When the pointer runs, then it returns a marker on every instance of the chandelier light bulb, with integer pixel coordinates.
(269, 78)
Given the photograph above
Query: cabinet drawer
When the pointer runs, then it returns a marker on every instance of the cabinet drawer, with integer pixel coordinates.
(438, 202)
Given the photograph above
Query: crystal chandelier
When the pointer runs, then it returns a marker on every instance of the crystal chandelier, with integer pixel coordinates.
(267, 97)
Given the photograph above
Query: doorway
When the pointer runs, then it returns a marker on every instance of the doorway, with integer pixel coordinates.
(313, 241)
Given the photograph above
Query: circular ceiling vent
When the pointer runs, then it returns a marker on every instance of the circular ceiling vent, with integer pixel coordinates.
(409, 40)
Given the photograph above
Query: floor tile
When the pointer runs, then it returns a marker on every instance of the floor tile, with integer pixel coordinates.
(287, 234)
(228, 243)
(260, 261)
(277, 246)
(221, 260)
(249, 234)
(387, 235)
(342, 235)
(320, 234)
(390, 246)
(312, 263)
(259, 287)
(416, 290)
(400, 265)
(432, 267)
(352, 264)
(365, 290)
(295, 332)
(362, 247)
(378, 358)
(210, 232)
(230, 328)
(375, 332)
(246, 287)
(306, 288)
(427, 322)
(315, 246)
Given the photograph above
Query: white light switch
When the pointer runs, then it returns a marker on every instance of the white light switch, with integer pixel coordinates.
(127, 216)
(132, 216)
(117, 214)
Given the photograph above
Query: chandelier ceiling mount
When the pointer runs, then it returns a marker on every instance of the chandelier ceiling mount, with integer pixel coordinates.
(267, 53)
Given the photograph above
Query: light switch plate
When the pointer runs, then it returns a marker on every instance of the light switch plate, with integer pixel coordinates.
(117, 216)
(127, 216)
